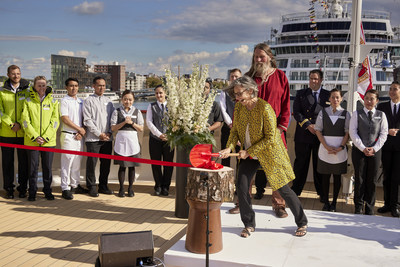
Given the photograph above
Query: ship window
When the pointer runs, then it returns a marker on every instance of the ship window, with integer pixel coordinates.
(296, 63)
(303, 76)
(369, 25)
(378, 87)
(381, 76)
(295, 76)
(336, 63)
(292, 87)
(282, 63)
(304, 63)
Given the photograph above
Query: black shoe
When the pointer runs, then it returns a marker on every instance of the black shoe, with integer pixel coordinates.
(358, 211)
(79, 190)
(321, 199)
(106, 191)
(31, 198)
(164, 192)
(67, 194)
(332, 207)
(93, 192)
(258, 195)
(22, 195)
(395, 212)
(49, 196)
(383, 209)
(326, 207)
(369, 212)
(10, 195)
(157, 191)
(130, 192)
(121, 193)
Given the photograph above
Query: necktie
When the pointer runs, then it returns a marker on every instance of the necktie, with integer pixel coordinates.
(370, 115)
(162, 110)
(315, 97)
(395, 110)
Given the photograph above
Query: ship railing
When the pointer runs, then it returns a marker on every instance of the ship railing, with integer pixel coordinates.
(315, 65)
(366, 14)
(326, 40)
(328, 78)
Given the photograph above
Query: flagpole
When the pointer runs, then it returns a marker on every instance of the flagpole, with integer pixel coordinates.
(354, 56)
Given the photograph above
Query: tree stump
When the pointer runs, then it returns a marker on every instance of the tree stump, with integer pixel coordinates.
(221, 188)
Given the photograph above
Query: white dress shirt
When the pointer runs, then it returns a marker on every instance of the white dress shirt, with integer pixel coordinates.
(353, 131)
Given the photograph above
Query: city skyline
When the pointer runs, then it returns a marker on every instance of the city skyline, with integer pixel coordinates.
(145, 36)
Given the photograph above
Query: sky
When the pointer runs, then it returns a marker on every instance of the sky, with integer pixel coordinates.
(145, 35)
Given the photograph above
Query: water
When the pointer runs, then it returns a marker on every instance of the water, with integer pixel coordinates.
(141, 105)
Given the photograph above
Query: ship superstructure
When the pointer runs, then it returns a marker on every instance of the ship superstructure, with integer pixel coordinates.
(297, 51)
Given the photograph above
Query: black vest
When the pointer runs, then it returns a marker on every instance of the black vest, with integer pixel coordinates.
(230, 105)
(369, 130)
(331, 129)
(159, 120)
(121, 118)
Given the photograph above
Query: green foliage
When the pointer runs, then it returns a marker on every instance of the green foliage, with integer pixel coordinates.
(220, 84)
(152, 82)
(184, 140)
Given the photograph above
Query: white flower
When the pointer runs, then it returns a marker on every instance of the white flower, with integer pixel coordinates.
(188, 107)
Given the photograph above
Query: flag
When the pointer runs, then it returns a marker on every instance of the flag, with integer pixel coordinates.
(364, 82)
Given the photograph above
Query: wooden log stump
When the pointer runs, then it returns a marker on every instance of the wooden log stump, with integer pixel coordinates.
(221, 188)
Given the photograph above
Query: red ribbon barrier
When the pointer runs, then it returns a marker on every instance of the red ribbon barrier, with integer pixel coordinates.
(97, 155)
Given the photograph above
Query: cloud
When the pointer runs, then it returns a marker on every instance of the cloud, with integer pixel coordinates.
(219, 62)
(29, 67)
(225, 21)
(73, 54)
(87, 8)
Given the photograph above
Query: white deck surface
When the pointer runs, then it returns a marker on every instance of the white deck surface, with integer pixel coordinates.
(333, 239)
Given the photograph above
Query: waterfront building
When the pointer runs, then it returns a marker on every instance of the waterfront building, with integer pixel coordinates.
(64, 67)
(135, 81)
(117, 73)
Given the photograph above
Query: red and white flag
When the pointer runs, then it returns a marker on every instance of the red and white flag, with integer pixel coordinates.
(364, 76)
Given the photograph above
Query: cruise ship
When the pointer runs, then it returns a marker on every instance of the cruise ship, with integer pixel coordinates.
(295, 45)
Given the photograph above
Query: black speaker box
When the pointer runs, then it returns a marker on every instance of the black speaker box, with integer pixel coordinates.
(126, 249)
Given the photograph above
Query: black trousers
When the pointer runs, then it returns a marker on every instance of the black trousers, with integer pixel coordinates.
(47, 163)
(160, 150)
(337, 183)
(301, 165)
(391, 178)
(101, 147)
(247, 169)
(225, 132)
(365, 179)
(8, 164)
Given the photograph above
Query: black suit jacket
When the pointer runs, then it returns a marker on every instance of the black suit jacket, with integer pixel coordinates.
(393, 142)
(305, 113)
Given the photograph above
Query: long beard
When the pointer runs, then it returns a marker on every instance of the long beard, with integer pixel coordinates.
(260, 68)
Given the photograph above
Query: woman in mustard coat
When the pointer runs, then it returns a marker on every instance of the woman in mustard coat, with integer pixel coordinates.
(255, 127)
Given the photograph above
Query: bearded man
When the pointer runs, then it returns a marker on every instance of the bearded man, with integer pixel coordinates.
(274, 88)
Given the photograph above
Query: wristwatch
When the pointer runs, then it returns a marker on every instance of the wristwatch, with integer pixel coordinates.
(343, 147)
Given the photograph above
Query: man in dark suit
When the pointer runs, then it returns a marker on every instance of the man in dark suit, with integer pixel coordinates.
(391, 153)
(306, 106)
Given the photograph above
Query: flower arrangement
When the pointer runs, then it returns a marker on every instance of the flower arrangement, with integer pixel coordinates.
(188, 109)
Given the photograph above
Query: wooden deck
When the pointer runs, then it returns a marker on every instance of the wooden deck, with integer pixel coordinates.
(65, 233)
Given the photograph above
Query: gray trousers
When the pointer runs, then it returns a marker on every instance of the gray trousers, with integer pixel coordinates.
(247, 169)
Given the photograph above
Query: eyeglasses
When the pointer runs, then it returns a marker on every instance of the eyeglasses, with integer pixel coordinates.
(239, 94)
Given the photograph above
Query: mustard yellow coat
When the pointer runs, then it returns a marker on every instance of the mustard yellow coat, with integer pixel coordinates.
(266, 141)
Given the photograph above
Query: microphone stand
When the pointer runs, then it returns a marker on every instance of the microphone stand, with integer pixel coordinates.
(204, 178)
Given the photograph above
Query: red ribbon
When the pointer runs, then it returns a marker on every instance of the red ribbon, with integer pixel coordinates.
(97, 155)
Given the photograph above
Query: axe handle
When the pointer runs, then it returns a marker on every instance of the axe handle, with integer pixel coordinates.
(230, 155)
